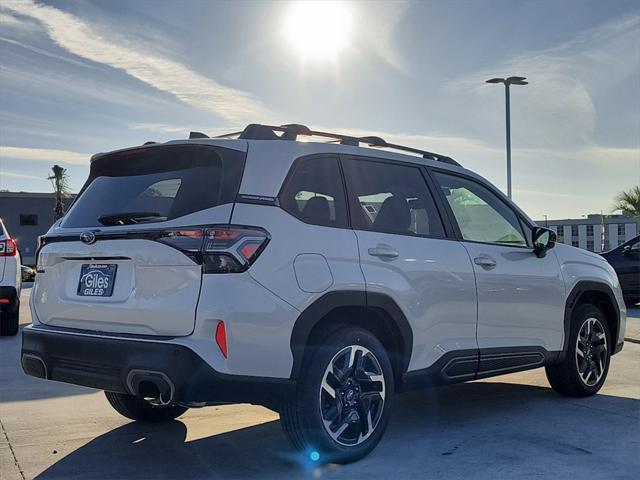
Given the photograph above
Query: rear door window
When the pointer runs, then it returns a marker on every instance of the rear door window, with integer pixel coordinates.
(314, 192)
(390, 198)
(156, 184)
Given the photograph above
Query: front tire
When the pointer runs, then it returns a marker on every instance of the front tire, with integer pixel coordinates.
(341, 408)
(586, 363)
(137, 408)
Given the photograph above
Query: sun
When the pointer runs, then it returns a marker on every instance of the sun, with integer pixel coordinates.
(318, 30)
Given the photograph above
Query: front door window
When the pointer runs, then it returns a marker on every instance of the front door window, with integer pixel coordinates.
(480, 214)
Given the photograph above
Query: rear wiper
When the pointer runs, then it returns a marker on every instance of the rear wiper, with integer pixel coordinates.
(128, 218)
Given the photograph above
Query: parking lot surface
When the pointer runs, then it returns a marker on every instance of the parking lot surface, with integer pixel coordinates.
(509, 426)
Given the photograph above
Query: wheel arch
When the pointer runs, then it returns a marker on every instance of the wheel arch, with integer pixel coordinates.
(375, 312)
(595, 293)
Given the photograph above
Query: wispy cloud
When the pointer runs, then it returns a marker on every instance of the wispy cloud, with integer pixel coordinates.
(6, 173)
(99, 45)
(10, 21)
(181, 130)
(45, 155)
(557, 108)
(45, 53)
(376, 33)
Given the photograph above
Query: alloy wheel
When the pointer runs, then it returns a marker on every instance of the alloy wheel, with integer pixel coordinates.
(352, 395)
(591, 351)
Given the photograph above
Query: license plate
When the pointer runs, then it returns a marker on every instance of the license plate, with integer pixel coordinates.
(96, 280)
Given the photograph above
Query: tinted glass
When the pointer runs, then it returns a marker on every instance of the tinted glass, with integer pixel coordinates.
(390, 198)
(156, 184)
(480, 214)
(314, 192)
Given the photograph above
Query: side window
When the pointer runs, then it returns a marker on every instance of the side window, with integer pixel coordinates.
(480, 214)
(390, 199)
(314, 192)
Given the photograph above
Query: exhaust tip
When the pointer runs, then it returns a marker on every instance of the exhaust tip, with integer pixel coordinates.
(151, 384)
(34, 365)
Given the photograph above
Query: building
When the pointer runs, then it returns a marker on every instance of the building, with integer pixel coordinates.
(27, 216)
(596, 233)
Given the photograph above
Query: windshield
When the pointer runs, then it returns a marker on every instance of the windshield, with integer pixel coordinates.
(156, 184)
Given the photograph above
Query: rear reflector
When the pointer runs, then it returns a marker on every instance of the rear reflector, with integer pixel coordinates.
(4, 300)
(221, 338)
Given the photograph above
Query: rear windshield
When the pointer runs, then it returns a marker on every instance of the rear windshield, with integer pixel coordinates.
(156, 184)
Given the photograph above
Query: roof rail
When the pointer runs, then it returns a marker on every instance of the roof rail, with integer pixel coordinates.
(193, 135)
(255, 131)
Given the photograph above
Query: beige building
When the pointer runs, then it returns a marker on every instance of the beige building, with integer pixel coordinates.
(596, 233)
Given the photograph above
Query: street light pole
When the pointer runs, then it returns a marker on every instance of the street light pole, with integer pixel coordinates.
(508, 124)
(507, 82)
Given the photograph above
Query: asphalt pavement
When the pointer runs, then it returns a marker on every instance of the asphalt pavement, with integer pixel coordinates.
(506, 427)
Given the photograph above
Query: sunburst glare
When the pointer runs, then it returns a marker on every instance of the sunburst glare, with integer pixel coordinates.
(318, 30)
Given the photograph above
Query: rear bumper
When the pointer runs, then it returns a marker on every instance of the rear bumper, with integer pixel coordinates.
(10, 300)
(119, 365)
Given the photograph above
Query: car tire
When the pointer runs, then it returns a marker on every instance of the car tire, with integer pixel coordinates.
(139, 409)
(9, 323)
(584, 368)
(346, 379)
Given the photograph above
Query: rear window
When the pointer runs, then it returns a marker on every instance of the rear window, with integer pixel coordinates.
(156, 184)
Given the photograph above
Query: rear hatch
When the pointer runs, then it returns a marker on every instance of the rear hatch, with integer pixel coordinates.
(120, 260)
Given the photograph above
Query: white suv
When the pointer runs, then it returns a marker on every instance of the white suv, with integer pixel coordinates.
(317, 279)
(10, 284)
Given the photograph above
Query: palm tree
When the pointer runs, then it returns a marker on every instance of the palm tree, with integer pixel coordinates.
(60, 182)
(629, 202)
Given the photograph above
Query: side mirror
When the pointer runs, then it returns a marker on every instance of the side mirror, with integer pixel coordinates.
(543, 239)
(626, 250)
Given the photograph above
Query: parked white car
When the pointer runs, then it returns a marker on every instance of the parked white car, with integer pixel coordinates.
(317, 279)
(10, 283)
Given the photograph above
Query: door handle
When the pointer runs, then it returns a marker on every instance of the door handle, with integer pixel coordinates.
(384, 252)
(485, 262)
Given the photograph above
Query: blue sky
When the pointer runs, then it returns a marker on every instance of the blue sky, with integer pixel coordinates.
(80, 77)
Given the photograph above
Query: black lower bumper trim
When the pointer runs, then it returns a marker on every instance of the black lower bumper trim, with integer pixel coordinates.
(618, 348)
(10, 294)
(105, 364)
(465, 365)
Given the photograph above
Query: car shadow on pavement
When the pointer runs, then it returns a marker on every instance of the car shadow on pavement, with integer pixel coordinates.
(450, 432)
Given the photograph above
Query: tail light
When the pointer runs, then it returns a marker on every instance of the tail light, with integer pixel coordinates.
(8, 248)
(223, 249)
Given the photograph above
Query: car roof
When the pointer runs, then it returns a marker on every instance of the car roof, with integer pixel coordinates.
(269, 161)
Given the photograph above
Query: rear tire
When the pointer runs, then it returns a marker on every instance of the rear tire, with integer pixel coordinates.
(341, 408)
(584, 368)
(9, 323)
(139, 409)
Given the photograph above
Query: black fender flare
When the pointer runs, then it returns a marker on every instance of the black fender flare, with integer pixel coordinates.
(572, 300)
(322, 306)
